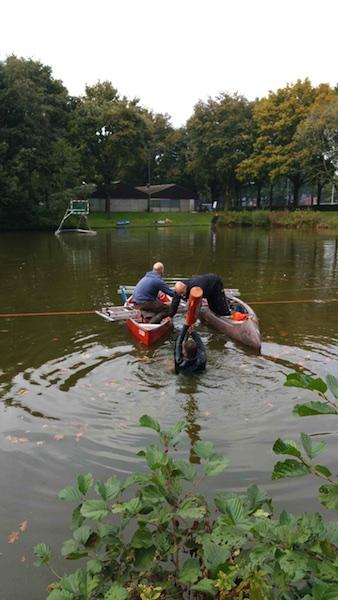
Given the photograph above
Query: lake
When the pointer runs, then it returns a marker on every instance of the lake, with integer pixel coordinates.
(72, 387)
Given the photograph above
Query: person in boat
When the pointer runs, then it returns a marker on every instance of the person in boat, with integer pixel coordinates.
(147, 289)
(190, 355)
(213, 290)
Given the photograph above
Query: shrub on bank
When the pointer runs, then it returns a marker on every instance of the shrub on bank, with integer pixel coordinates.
(154, 537)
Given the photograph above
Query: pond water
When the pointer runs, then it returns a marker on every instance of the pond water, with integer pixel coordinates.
(72, 387)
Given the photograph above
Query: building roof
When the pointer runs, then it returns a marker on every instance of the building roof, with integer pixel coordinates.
(155, 188)
(167, 190)
(119, 189)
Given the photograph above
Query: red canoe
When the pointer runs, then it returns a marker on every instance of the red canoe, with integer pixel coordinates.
(148, 333)
(145, 332)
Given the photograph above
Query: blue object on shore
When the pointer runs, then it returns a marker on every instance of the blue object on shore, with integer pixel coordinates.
(122, 223)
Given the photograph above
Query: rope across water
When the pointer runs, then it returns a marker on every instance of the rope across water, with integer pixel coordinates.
(93, 312)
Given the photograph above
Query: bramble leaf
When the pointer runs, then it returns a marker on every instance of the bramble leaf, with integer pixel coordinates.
(60, 595)
(311, 447)
(306, 382)
(146, 421)
(70, 494)
(217, 464)
(142, 538)
(204, 449)
(328, 495)
(85, 482)
(82, 534)
(215, 555)
(43, 553)
(257, 497)
(155, 457)
(108, 490)
(205, 586)
(286, 447)
(325, 591)
(187, 470)
(190, 571)
(332, 383)
(314, 408)
(71, 550)
(144, 558)
(290, 468)
(177, 428)
(191, 509)
(322, 470)
(116, 592)
(94, 509)
(232, 506)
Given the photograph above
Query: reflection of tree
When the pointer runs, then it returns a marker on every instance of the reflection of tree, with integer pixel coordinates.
(191, 411)
(34, 413)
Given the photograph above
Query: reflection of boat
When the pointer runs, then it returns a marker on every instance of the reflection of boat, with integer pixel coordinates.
(149, 333)
(241, 326)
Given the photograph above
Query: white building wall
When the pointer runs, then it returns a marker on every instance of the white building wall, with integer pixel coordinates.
(97, 204)
(141, 205)
(129, 205)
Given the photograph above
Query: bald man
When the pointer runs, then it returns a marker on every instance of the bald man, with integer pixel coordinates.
(213, 290)
(146, 291)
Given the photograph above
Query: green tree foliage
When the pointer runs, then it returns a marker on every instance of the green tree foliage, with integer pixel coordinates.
(220, 138)
(277, 152)
(112, 135)
(37, 159)
(51, 142)
(318, 136)
(168, 153)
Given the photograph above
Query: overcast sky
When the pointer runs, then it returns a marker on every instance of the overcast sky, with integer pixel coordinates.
(171, 53)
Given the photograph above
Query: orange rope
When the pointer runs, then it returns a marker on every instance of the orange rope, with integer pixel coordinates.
(319, 301)
(92, 312)
(48, 314)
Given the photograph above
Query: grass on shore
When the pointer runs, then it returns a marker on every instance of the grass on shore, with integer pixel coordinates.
(301, 219)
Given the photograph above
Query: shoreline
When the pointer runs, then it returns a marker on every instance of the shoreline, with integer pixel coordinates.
(304, 220)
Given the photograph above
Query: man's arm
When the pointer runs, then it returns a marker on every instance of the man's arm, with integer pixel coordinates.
(178, 347)
(163, 287)
(174, 305)
(201, 355)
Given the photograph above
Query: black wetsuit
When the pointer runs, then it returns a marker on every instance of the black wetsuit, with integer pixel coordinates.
(187, 365)
(213, 291)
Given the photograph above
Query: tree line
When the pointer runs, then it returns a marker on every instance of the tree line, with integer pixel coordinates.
(54, 146)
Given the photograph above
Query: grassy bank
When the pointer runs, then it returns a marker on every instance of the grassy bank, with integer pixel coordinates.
(301, 219)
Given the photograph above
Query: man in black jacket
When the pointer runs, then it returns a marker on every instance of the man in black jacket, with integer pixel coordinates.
(213, 290)
(190, 355)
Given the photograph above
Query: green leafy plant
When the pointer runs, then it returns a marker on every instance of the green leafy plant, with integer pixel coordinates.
(304, 454)
(153, 536)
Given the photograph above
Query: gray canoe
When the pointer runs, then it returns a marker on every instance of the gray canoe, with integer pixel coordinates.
(245, 332)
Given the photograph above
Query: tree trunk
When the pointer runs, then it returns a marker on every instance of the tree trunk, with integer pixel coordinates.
(319, 191)
(270, 196)
(259, 195)
(107, 205)
(296, 187)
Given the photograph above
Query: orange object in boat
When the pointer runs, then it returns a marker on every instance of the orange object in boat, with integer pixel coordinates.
(195, 299)
(239, 316)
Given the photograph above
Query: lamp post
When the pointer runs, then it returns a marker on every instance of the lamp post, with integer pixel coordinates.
(149, 179)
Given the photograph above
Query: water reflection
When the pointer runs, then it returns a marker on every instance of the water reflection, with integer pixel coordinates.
(189, 387)
(75, 386)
